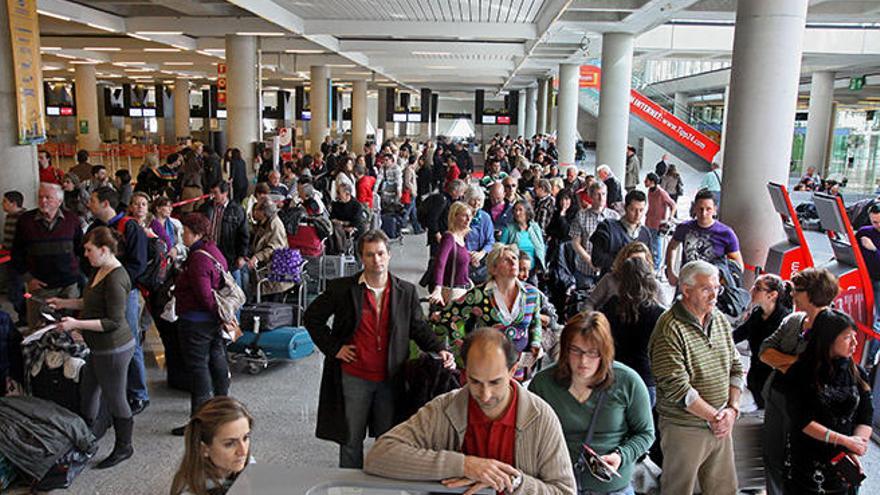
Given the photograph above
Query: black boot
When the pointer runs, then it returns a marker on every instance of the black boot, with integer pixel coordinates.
(122, 448)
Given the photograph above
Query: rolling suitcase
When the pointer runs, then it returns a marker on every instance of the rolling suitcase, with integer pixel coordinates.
(52, 385)
(287, 343)
(272, 316)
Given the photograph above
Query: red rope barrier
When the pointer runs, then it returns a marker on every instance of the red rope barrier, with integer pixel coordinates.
(191, 200)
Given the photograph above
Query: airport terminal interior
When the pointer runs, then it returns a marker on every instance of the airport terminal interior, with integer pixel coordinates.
(538, 167)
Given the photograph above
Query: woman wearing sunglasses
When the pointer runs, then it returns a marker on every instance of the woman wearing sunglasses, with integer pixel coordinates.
(602, 405)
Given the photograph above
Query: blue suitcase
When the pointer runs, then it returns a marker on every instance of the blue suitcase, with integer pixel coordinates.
(283, 343)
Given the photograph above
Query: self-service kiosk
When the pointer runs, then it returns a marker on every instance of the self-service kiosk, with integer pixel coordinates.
(856, 296)
(793, 254)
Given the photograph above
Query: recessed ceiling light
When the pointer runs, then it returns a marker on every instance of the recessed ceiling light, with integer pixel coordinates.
(102, 49)
(291, 79)
(168, 81)
(260, 33)
(215, 50)
(162, 50)
(128, 64)
(440, 67)
(136, 70)
(159, 33)
(178, 63)
(64, 55)
(50, 48)
(433, 54)
(342, 66)
(304, 52)
(84, 62)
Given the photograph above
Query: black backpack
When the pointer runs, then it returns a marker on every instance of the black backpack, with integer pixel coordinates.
(735, 299)
(859, 211)
(158, 261)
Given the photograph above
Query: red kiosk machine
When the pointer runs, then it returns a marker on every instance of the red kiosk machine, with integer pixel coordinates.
(856, 296)
(793, 254)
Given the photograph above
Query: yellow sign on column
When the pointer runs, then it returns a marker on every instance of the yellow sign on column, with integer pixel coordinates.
(24, 31)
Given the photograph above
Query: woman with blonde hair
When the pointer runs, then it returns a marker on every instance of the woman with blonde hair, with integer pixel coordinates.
(600, 402)
(217, 448)
(451, 279)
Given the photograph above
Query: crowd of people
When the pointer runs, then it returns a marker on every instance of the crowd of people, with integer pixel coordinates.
(549, 289)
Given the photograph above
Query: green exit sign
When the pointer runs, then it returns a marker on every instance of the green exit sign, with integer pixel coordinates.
(856, 83)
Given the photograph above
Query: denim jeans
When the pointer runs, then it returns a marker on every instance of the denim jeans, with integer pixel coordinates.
(137, 373)
(205, 356)
(655, 248)
(364, 401)
(409, 212)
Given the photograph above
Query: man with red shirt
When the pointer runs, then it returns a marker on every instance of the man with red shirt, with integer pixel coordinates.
(374, 316)
(48, 173)
(491, 433)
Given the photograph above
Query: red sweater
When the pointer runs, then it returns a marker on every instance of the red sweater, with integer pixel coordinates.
(370, 339)
(365, 190)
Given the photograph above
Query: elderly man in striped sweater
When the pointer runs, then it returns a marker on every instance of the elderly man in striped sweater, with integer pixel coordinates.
(699, 381)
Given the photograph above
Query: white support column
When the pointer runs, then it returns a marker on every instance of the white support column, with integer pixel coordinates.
(87, 108)
(381, 120)
(521, 113)
(181, 109)
(569, 75)
(724, 124)
(358, 116)
(20, 170)
(764, 82)
(551, 108)
(681, 106)
(617, 56)
(542, 107)
(531, 112)
(242, 101)
(318, 129)
(819, 121)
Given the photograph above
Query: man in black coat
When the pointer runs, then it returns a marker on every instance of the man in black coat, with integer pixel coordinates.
(613, 234)
(375, 314)
(229, 228)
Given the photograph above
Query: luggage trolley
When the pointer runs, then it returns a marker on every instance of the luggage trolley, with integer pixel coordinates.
(856, 296)
(792, 255)
(257, 350)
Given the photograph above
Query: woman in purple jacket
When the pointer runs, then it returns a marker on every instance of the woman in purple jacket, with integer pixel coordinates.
(198, 323)
(453, 258)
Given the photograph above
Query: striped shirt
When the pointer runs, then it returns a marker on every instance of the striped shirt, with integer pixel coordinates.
(583, 227)
(691, 361)
(9, 228)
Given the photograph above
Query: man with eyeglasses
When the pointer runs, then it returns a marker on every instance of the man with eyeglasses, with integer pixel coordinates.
(491, 433)
(699, 381)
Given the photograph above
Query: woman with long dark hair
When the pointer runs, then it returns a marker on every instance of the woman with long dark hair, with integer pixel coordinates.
(238, 175)
(632, 313)
(829, 404)
(218, 448)
(771, 301)
(600, 402)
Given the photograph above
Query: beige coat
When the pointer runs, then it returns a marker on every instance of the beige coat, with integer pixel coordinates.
(428, 445)
(269, 236)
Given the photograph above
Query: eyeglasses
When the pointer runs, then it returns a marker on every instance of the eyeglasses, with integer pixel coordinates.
(508, 186)
(579, 353)
(718, 290)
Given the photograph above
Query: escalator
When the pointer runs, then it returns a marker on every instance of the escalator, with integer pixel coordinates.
(651, 121)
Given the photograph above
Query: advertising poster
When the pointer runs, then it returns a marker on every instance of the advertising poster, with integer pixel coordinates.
(24, 32)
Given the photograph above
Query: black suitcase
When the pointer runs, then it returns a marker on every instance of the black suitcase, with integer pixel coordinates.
(52, 385)
(272, 315)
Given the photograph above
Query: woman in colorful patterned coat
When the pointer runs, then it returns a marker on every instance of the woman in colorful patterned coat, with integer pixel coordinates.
(503, 302)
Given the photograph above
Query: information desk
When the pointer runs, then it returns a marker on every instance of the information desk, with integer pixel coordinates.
(265, 479)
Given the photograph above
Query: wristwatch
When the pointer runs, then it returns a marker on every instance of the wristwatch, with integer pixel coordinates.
(516, 481)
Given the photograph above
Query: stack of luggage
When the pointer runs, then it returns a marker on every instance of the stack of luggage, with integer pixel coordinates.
(268, 337)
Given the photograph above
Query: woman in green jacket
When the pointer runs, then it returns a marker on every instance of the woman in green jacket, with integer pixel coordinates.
(587, 382)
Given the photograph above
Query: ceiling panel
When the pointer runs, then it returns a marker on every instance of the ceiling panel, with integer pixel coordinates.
(494, 11)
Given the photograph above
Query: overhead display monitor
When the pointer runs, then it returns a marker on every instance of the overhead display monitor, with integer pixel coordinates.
(221, 113)
(135, 112)
(414, 117)
(399, 117)
(503, 120)
(149, 112)
(53, 111)
(488, 119)
(306, 115)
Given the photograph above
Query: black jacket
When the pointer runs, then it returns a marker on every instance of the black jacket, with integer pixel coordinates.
(464, 160)
(343, 301)
(235, 236)
(610, 237)
(615, 193)
(212, 171)
(37, 432)
(238, 173)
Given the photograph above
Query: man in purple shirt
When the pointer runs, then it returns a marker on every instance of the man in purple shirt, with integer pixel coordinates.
(702, 238)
